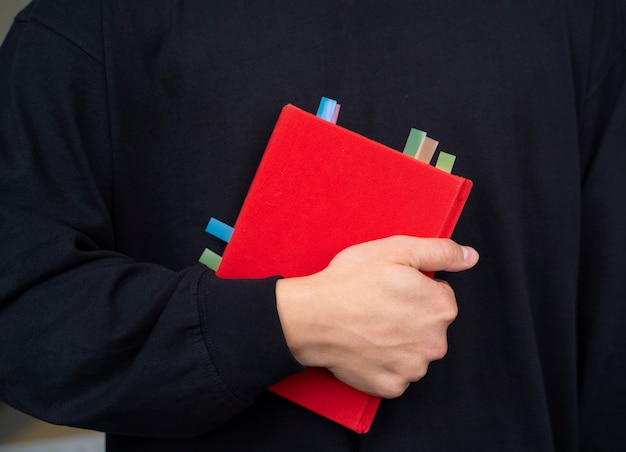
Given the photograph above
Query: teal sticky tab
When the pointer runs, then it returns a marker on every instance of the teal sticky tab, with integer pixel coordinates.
(414, 142)
(219, 229)
(445, 162)
(329, 110)
(326, 109)
(320, 109)
(211, 259)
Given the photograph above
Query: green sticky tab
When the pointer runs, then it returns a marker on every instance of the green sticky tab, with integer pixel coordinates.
(413, 143)
(445, 161)
(210, 259)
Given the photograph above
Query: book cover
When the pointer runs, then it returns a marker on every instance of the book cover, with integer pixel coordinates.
(321, 188)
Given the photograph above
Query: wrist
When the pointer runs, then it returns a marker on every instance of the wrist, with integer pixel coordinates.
(293, 302)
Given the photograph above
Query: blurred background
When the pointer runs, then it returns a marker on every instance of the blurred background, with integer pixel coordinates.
(8, 10)
(19, 432)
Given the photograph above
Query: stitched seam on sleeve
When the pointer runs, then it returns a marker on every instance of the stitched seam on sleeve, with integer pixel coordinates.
(209, 344)
(80, 46)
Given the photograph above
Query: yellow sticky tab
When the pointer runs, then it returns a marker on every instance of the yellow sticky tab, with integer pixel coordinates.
(445, 161)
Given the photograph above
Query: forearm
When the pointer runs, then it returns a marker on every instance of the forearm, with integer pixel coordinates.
(111, 352)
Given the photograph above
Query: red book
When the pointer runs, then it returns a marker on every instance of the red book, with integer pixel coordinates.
(321, 188)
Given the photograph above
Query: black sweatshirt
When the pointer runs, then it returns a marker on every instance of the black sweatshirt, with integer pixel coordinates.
(125, 125)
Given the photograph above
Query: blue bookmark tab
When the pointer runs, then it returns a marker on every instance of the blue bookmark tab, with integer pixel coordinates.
(220, 230)
(327, 108)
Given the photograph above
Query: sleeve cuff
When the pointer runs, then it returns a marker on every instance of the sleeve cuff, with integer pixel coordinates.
(243, 334)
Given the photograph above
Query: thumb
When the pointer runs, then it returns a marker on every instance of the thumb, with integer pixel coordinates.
(435, 254)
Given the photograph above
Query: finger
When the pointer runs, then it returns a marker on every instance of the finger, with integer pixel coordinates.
(433, 254)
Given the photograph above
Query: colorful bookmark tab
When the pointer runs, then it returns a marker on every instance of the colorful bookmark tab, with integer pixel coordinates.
(445, 161)
(219, 229)
(335, 114)
(320, 109)
(328, 110)
(427, 150)
(413, 143)
(222, 231)
(211, 259)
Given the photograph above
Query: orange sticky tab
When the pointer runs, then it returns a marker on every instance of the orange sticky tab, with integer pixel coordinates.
(427, 150)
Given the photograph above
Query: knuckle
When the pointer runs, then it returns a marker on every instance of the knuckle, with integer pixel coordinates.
(447, 251)
(393, 393)
(445, 289)
(449, 308)
(452, 311)
(439, 350)
(392, 387)
(455, 251)
(419, 372)
(418, 368)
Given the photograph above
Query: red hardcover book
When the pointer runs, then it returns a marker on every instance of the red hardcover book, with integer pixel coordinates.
(321, 188)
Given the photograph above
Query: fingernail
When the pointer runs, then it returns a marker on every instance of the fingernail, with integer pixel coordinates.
(470, 256)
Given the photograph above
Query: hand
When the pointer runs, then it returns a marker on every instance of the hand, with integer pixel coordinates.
(372, 317)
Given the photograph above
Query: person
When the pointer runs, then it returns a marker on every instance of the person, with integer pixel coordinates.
(124, 126)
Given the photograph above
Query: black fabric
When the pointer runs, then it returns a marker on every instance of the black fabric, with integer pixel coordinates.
(124, 126)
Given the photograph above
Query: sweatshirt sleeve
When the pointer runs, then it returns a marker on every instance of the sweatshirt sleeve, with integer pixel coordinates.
(602, 286)
(90, 337)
